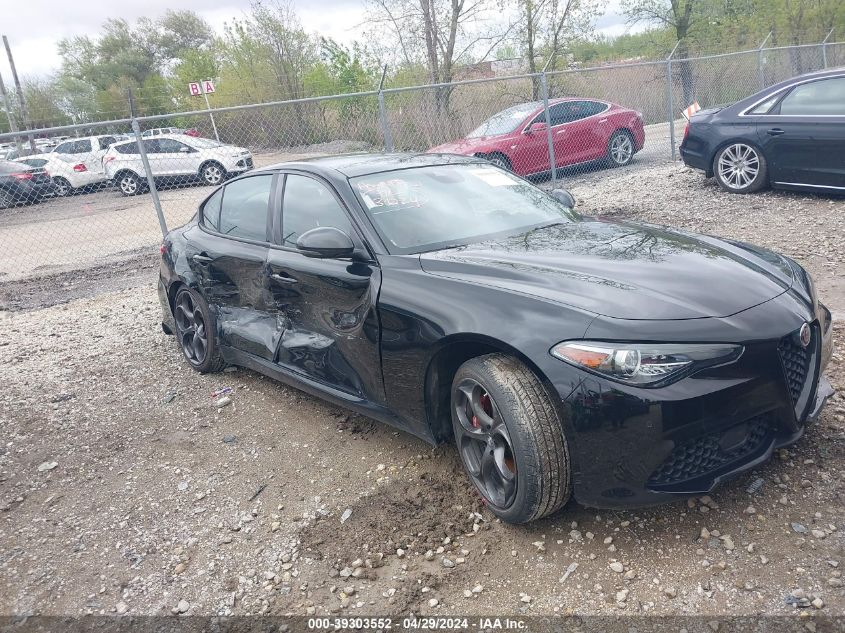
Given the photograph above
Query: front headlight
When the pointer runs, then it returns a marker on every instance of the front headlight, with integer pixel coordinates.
(644, 364)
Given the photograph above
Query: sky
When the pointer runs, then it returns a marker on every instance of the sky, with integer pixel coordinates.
(35, 26)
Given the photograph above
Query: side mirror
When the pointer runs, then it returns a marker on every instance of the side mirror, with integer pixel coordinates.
(325, 242)
(536, 128)
(564, 197)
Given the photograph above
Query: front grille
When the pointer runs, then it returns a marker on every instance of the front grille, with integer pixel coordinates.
(706, 454)
(796, 362)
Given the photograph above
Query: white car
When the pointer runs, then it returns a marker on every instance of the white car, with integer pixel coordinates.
(88, 151)
(69, 175)
(174, 157)
(158, 131)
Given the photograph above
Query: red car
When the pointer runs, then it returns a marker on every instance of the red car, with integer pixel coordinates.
(583, 130)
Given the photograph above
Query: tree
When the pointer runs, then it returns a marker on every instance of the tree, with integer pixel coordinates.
(441, 34)
(547, 27)
(681, 16)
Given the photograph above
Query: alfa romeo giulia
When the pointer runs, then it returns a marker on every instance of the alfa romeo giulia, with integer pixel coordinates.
(623, 363)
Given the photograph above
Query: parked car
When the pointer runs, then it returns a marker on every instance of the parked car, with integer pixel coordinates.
(583, 130)
(626, 363)
(174, 157)
(69, 175)
(158, 131)
(791, 136)
(87, 151)
(11, 153)
(22, 184)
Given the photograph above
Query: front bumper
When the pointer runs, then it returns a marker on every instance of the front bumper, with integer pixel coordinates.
(635, 447)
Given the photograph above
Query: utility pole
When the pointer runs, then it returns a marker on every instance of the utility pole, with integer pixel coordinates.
(13, 126)
(19, 90)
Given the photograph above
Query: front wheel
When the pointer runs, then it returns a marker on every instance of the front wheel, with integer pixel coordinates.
(195, 332)
(510, 438)
(740, 168)
(212, 173)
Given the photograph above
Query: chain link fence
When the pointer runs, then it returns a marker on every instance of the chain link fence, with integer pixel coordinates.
(103, 192)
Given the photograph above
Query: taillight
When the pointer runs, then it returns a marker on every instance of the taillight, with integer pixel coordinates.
(686, 131)
(163, 248)
(80, 167)
(108, 159)
(23, 176)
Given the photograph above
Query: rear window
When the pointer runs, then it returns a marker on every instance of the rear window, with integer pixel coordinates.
(243, 212)
(211, 210)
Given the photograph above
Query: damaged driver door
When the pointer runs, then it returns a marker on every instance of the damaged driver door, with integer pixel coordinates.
(326, 306)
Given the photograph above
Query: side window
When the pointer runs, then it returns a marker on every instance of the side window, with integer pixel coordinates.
(151, 146)
(593, 107)
(105, 141)
(211, 210)
(243, 212)
(171, 146)
(558, 114)
(82, 147)
(766, 105)
(308, 204)
(128, 148)
(64, 148)
(823, 97)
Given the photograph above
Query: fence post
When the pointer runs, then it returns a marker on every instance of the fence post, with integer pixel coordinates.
(670, 99)
(150, 180)
(824, 48)
(760, 71)
(545, 88)
(382, 112)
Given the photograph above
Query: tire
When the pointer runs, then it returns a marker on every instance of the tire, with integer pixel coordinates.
(212, 173)
(7, 200)
(620, 148)
(63, 187)
(129, 183)
(740, 168)
(500, 160)
(196, 332)
(517, 458)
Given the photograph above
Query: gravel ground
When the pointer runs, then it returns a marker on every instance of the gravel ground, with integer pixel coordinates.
(124, 489)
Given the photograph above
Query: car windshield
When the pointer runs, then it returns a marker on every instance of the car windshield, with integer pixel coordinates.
(441, 206)
(505, 121)
(204, 143)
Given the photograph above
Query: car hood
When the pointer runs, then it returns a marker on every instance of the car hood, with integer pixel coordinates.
(465, 146)
(623, 270)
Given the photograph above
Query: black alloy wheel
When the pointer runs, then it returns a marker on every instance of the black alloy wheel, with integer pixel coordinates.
(484, 444)
(191, 329)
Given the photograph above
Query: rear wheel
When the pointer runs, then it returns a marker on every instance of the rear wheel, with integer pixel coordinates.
(510, 438)
(195, 332)
(740, 168)
(129, 183)
(63, 186)
(620, 149)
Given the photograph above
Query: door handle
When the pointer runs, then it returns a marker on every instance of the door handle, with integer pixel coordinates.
(602, 120)
(202, 258)
(283, 279)
(775, 131)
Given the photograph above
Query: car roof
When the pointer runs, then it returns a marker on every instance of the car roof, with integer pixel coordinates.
(364, 163)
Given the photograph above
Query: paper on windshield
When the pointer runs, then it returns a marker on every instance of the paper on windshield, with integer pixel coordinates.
(494, 177)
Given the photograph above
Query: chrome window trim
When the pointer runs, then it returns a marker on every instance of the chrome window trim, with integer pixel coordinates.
(570, 100)
(745, 112)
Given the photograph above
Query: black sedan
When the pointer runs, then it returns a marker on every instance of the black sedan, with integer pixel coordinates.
(21, 184)
(791, 135)
(625, 363)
